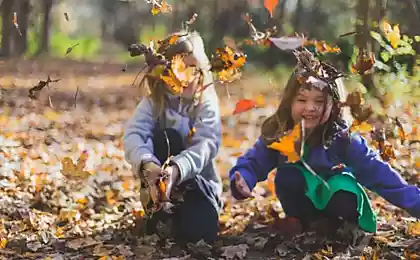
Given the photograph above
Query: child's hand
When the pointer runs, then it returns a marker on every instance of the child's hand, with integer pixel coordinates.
(173, 173)
(151, 172)
(241, 186)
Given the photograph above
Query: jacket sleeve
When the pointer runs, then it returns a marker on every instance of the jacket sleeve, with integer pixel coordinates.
(205, 142)
(380, 177)
(138, 145)
(253, 166)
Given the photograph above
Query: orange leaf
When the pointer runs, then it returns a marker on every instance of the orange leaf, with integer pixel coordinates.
(270, 182)
(286, 144)
(244, 105)
(270, 5)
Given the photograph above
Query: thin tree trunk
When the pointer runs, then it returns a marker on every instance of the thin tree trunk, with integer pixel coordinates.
(7, 26)
(362, 42)
(414, 29)
(298, 15)
(280, 17)
(46, 25)
(21, 41)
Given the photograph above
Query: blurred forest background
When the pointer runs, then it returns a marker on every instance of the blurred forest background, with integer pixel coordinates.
(105, 28)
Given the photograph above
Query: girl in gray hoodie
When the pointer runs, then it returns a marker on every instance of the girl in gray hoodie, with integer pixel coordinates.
(187, 123)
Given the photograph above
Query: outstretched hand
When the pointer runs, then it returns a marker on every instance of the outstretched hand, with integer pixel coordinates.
(241, 186)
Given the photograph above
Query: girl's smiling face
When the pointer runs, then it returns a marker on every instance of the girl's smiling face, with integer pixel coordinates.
(312, 105)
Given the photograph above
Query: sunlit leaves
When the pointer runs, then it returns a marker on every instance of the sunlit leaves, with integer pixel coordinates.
(392, 33)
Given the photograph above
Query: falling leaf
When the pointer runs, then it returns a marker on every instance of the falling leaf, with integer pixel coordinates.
(258, 37)
(270, 5)
(322, 47)
(391, 33)
(364, 63)
(41, 84)
(15, 23)
(71, 170)
(69, 49)
(244, 105)
(287, 144)
(288, 43)
(227, 63)
(162, 7)
(173, 39)
(66, 16)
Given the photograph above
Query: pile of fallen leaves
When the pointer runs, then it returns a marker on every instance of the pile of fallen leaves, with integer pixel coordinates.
(67, 192)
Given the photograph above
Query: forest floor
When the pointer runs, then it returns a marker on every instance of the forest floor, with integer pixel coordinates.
(49, 210)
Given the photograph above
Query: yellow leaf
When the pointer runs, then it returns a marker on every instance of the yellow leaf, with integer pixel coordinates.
(3, 242)
(183, 73)
(71, 170)
(361, 127)
(391, 33)
(286, 144)
(414, 229)
(83, 201)
(157, 71)
(155, 10)
(260, 101)
(110, 197)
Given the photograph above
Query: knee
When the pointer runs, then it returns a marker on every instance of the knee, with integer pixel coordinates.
(290, 179)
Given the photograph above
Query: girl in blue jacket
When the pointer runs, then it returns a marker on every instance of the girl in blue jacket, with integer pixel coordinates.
(185, 125)
(343, 161)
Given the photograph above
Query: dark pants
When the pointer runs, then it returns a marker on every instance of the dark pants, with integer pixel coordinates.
(290, 189)
(195, 218)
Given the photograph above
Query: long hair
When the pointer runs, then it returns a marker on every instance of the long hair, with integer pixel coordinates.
(281, 121)
(187, 43)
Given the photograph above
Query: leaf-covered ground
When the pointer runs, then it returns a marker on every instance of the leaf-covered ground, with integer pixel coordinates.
(52, 209)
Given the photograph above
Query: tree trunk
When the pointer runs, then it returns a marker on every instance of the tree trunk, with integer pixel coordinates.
(7, 27)
(380, 13)
(362, 42)
(21, 41)
(46, 25)
(297, 17)
(413, 9)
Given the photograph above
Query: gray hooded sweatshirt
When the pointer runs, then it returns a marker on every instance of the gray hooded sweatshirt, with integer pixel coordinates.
(197, 161)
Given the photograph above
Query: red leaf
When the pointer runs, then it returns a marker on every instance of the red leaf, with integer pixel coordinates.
(270, 5)
(244, 105)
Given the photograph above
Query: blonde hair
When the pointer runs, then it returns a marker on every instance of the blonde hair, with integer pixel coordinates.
(193, 45)
(281, 121)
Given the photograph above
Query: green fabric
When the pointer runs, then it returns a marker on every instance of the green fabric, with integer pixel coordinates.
(320, 194)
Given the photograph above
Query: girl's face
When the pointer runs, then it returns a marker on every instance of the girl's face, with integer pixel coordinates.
(312, 105)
